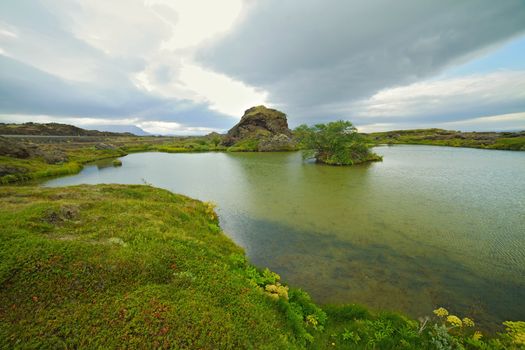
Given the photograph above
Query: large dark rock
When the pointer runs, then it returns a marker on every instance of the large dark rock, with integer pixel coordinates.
(268, 126)
(18, 149)
(13, 148)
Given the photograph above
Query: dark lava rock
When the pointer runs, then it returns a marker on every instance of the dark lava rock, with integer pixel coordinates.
(13, 148)
(104, 146)
(265, 124)
(279, 142)
(11, 170)
(55, 156)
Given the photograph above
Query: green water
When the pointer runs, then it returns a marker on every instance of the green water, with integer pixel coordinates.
(428, 226)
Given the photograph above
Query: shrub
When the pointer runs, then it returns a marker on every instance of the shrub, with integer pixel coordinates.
(335, 143)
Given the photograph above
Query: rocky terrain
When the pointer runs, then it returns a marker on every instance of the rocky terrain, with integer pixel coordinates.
(260, 129)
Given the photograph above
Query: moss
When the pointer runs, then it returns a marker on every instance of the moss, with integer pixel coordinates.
(126, 270)
(245, 145)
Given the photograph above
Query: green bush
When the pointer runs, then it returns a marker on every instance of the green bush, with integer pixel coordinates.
(335, 143)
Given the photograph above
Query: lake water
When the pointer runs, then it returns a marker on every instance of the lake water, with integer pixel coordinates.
(428, 226)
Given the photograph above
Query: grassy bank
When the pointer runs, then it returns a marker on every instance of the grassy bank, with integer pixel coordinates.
(104, 266)
(113, 266)
(36, 167)
(513, 141)
(80, 151)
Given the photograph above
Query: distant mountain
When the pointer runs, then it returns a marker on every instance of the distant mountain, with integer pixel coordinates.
(133, 129)
(53, 129)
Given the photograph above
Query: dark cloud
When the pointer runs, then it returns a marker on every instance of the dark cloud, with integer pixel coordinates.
(314, 54)
(317, 60)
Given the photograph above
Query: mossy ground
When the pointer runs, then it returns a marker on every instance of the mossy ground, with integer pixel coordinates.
(125, 266)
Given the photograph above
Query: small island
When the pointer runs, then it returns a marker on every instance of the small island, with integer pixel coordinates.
(335, 143)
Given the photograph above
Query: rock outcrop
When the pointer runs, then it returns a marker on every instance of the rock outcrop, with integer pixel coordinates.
(268, 127)
(11, 147)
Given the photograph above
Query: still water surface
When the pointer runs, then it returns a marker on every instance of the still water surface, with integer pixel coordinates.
(428, 226)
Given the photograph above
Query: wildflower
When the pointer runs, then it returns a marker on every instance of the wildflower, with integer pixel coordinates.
(454, 321)
(477, 335)
(312, 320)
(516, 331)
(467, 322)
(276, 291)
(441, 312)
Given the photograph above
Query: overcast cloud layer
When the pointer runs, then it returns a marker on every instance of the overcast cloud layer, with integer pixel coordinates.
(192, 66)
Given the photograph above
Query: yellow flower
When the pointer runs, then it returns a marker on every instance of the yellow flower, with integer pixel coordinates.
(441, 312)
(467, 322)
(477, 335)
(516, 330)
(454, 321)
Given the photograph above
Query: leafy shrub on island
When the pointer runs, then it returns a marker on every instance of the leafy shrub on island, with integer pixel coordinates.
(334, 143)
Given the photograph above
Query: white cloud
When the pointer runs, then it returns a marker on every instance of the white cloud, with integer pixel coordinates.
(194, 21)
(172, 128)
(468, 95)
(145, 45)
(224, 94)
(504, 122)
(511, 121)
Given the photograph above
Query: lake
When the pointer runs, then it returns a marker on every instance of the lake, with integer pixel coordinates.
(427, 227)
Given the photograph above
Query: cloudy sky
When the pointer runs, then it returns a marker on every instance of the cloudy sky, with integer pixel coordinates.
(194, 66)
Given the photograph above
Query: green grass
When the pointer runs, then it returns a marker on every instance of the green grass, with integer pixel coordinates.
(104, 266)
(246, 145)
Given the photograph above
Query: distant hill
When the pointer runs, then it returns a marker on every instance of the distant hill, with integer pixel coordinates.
(53, 129)
(506, 140)
(133, 129)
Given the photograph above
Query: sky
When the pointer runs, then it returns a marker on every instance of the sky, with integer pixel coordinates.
(189, 67)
